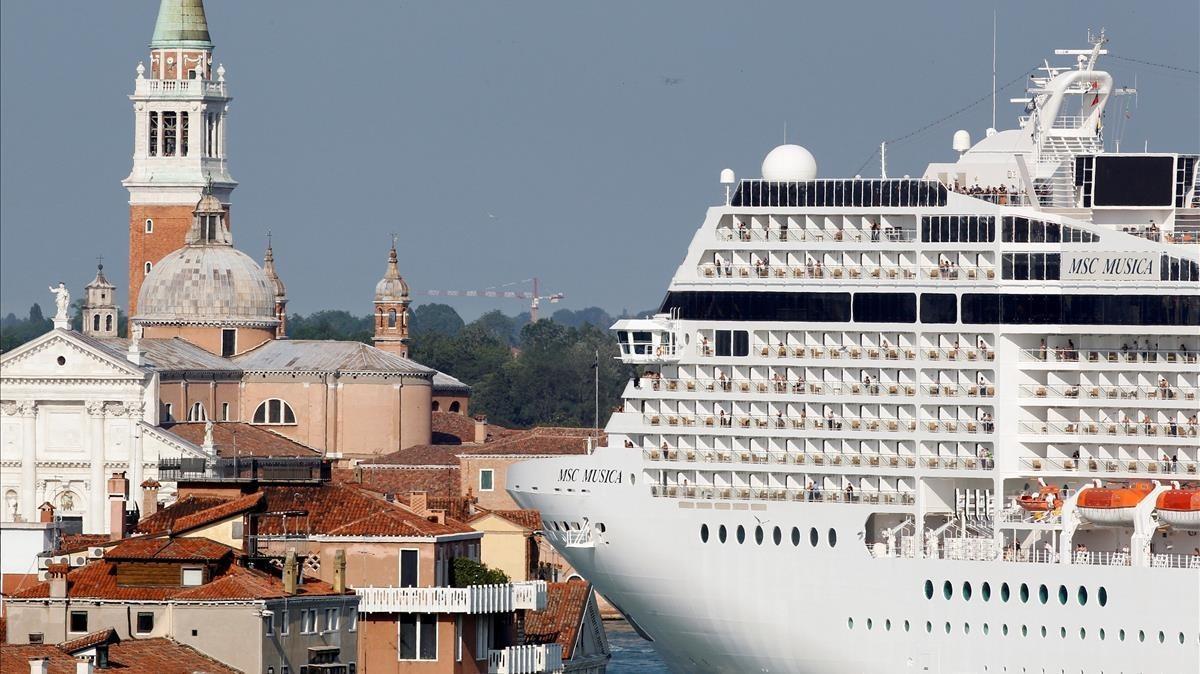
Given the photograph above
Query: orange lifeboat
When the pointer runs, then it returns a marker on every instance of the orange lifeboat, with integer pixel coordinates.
(1112, 507)
(1180, 508)
(1046, 500)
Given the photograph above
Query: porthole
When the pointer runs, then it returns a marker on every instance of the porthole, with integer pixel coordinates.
(947, 590)
(870, 624)
(1004, 629)
(907, 626)
(948, 628)
(1004, 593)
(1043, 594)
(928, 626)
(850, 623)
(1062, 594)
(703, 533)
(1101, 634)
(986, 629)
(741, 534)
(832, 538)
(1024, 593)
(986, 591)
(813, 537)
(1102, 597)
(966, 628)
(1062, 633)
(1044, 631)
(758, 535)
(796, 536)
(1181, 638)
(777, 535)
(60, 360)
(722, 534)
(1082, 595)
(1121, 635)
(929, 589)
(887, 625)
(1162, 637)
(1082, 634)
(1024, 631)
(1141, 635)
(966, 591)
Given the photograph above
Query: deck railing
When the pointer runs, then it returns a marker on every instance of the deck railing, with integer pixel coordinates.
(870, 496)
(846, 272)
(502, 598)
(875, 389)
(1108, 428)
(526, 659)
(851, 460)
(1094, 354)
(1091, 465)
(1087, 391)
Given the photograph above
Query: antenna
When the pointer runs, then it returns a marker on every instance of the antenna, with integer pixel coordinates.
(993, 68)
(883, 160)
(785, 132)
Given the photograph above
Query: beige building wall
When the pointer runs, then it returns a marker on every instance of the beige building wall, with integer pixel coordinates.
(497, 498)
(208, 338)
(505, 546)
(378, 638)
(445, 403)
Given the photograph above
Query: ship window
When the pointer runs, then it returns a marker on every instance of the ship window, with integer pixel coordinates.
(1043, 594)
(966, 591)
(795, 536)
(986, 591)
(1024, 631)
(724, 343)
(721, 533)
(1102, 597)
(939, 308)
(887, 625)
(1082, 634)
(1101, 634)
(1161, 637)
(1004, 593)
(1004, 629)
(741, 343)
(929, 589)
(885, 308)
(1141, 635)
(758, 535)
(777, 535)
(986, 629)
(966, 628)
(1062, 633)
(703, 533)
(928, 626)
(850, 623)
(832, 538)
(741, 534)
(1062, 594)
(1181, 638)
(813, 537)
(906, 626)
(1024, 593)
(1044, 632)
(1121, 635)
(947, 589)
(948, 628)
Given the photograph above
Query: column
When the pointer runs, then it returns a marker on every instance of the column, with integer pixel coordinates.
(96, 521)
(27, 411)
(134, 412)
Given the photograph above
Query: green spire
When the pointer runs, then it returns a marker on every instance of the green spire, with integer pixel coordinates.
(181, 23)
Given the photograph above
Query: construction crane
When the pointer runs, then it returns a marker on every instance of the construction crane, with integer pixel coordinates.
(535, 297)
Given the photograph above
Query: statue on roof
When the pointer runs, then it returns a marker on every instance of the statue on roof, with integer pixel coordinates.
(62, 298)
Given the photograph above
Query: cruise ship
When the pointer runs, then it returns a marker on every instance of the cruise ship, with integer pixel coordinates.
(934, 424)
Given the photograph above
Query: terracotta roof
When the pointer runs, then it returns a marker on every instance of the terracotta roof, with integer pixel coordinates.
(105, 636)
(538, 441)
(560, 621)
(235, 438)
(165, 518)
(454, 426)
(346, 510)
(168, 550)
(436, 481)
(79, 542)
(530, 519)
(420, 455)
(98, 580)
(136, 656)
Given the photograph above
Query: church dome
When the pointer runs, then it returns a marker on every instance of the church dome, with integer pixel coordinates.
(789, 163)
(391, 288)
(207, 285)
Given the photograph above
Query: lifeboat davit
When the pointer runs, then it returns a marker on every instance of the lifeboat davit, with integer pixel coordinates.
(1046, 500)
(1180, 508)
(1112, 507)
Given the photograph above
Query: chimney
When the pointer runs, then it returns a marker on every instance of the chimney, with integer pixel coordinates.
(289, 572)
(39, 666)
(46, 512)
(481, 429)
(57, 575)
(438, 516)
(118, 491)
(150, 497)
(339, 571)
(418, 502)
(83, 665)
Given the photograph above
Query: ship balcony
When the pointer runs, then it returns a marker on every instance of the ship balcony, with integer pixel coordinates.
(1111, 356)
(1119, 467)
(873, 354)
(865, 234)
(1160, 432)
(648, 341)
(1158, 560)
(1167, 394)
(823, 272)
(855, 496)
(527, 659)
(784, 386)
(782, 421)
(179, 88)
(852, 460)
(474, 599)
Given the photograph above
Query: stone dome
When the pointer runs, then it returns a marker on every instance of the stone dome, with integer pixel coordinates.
(789, 163)
(207, 285)
(391, 288)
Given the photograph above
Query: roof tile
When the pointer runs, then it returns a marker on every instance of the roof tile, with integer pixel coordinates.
(136, 656)
(560, 621)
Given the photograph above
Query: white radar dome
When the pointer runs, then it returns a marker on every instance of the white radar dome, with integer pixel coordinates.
(962, 141)
(727, 177)
(789, 163)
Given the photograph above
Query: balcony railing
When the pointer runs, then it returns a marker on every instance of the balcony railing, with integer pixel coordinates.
(1110, 355)
(1114, 466)
(887, 389)
(834, 459)
(834, 352)
(267, 469)
(181, 88)
(529, 659)
(835, 424)
(1128, 429)
(872, 496)
(529, 595)
(847, 272)
(783, 234)
(1087, 391)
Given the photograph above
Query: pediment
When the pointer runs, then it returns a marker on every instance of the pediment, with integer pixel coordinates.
(60, 354)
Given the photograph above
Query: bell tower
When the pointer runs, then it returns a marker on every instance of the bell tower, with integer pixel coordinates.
(100, 306)
(179, 107)
(391, 309)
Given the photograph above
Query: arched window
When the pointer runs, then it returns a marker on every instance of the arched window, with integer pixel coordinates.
(436, 405)
(149, 226)
(454, 406)
(197, 412)
(96, 322)
(391, 318)
(149, 267)
(108, 322)
(274, 411)
(224, 411)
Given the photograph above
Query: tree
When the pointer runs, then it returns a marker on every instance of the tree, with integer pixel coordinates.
(438, 318)
(35, 313)
(338, 325)
(466, 572)
(500, 325)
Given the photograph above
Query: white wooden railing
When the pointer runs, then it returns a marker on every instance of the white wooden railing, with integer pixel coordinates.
(504, 598)
(532, 659)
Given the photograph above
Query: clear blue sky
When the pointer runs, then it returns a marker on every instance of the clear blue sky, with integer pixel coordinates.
(579, 142)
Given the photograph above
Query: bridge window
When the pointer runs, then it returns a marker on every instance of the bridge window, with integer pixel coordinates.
(274, 411)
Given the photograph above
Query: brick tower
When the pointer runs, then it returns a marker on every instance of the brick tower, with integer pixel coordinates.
(179, 109)
(391, 309)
